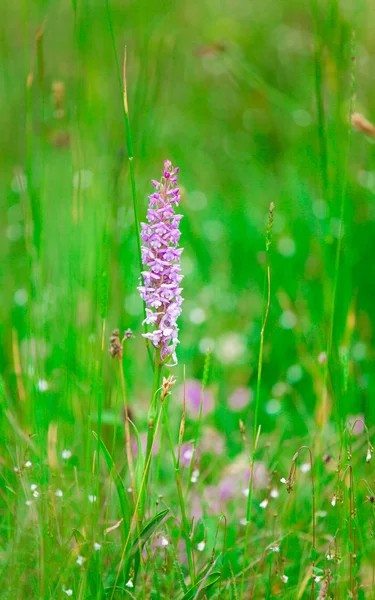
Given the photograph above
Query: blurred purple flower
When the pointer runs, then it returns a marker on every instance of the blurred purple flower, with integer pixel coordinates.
(235, 479)
(193, 398)
(160, 283)
(227, 488)
(358, 422)
(240, 398)
(212, 441)
(143, 436)
(214, 502)
(260, 478)
(186, 453)
(196, 507)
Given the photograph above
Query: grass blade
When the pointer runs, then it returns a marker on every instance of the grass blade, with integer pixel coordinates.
(120, 488)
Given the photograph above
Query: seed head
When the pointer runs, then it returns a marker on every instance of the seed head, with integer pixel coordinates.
(271, 213)
(115, 346)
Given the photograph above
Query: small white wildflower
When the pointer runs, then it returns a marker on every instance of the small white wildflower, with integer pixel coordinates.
(97, 546)
(28, 464)
(129, 584)
(283, 480)
(42, 385)
(33, 487)
(66, 454)
(328, 557)
(245, 492)
(129, 490)
(28, 502)
(284, 578)
(68, 592)
(16, 469)
(80, 560)
(36, 494)
(333, 501)
(368, 455)
(264, 503)
(163, 541)
(275, 548)
(305, 467)
(274, 493)
(194, 476)
(318, 578)
(201, 546)
(92, 498)
(243, 521)
(59, 493)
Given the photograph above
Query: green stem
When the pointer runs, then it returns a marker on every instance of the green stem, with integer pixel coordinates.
(185, 523)
(129, 148)
(266, 304)
(152, 415)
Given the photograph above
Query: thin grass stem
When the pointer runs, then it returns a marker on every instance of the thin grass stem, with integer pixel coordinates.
(185, 523)
(266, 303)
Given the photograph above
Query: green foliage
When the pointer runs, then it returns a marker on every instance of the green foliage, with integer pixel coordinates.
(253, 101)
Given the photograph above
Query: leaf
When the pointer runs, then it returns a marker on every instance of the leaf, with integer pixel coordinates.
(178, 571)
(80, 538)
(147, 532)
(115, 526)
(121, 492)
(203, 586)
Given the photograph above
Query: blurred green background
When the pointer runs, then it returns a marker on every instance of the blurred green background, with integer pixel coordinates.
(226, 90)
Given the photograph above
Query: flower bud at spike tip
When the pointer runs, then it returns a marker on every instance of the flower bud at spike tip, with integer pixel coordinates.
(270, 226)
(160, 281)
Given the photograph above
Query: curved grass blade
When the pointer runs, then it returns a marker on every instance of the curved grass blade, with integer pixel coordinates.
(201, 587)
(147, 532)
(120, 488)
(79, 537)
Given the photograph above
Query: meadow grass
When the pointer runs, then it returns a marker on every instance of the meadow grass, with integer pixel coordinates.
(245, 471)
